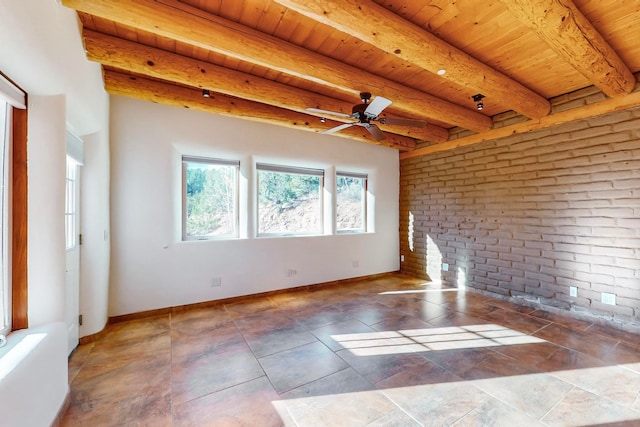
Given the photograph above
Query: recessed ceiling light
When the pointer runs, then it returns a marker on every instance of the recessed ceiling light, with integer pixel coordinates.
(442, 72)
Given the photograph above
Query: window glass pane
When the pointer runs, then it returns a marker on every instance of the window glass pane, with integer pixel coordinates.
(211, 199)
(350, 203)
(70, 211)
(289, 202)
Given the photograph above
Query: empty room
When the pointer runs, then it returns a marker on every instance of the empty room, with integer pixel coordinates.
(320, 213)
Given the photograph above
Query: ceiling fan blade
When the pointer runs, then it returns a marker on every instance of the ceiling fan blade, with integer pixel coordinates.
(402, 122)
(337, 128)
(377, 105)
(375, 132)
(332, 113)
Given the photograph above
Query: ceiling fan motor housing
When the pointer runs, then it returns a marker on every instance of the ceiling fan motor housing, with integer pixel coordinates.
(358, 113)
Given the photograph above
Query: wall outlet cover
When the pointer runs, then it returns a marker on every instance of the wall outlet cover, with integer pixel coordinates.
(573, 291)
(608, 298)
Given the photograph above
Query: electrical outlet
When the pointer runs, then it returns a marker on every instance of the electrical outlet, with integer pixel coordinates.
(445, 266)
(291, 272)
(355, 264)
(608, 298)
(401, 258)
(573, 291)
(216, 281)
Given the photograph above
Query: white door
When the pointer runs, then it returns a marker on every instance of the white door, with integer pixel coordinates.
(73, 253)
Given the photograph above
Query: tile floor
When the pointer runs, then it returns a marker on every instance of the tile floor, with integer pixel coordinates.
(393, 351)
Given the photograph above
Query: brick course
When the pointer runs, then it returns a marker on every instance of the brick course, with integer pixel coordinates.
(529, 215)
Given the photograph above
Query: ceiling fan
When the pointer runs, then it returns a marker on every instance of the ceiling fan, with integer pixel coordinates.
(368, 112)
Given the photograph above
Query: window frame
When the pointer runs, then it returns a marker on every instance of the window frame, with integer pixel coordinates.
(15, 287)
(364, 210)
(6, 293)
(299, 170)
(186, 159)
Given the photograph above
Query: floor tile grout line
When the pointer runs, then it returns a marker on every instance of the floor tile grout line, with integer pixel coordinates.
(541, 328)
(262, 366)
(519, 410)
(573, 387)
(610, 400)
(637, 399)
(600, 358)
(249, 347)
(398, 406)
(624, 366)
(239, 331)
(286, 349)
(617, 403)
(317, 379)
(462, 417)
(224, 389)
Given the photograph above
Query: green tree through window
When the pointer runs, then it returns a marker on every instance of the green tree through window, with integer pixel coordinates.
(351, 202)
(289, 200)
(210, 198)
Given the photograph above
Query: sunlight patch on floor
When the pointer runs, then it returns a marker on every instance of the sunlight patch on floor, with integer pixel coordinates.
(432, 339)
(568, 398)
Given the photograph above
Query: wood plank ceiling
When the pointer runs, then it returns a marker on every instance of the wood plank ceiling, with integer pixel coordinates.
(270, 60)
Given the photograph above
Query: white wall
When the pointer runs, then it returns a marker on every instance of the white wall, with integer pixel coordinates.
(151, 268)
(46, 150)
(94, 226)
(41, 50)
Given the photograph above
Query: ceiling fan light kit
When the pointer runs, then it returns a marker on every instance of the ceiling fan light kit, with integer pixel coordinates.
(478, 100)
(366, 113)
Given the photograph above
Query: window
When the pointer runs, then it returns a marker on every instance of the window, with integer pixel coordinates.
(5, 289)
(210, 198)
(351, 202)
(70, 206)
(13, 207)
(289, 200)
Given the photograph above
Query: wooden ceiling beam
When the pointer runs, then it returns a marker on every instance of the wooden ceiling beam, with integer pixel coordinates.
(160, 64)
(170, 18)
(164, 93)
(580, 113)
(570, 34)
(389, 32)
